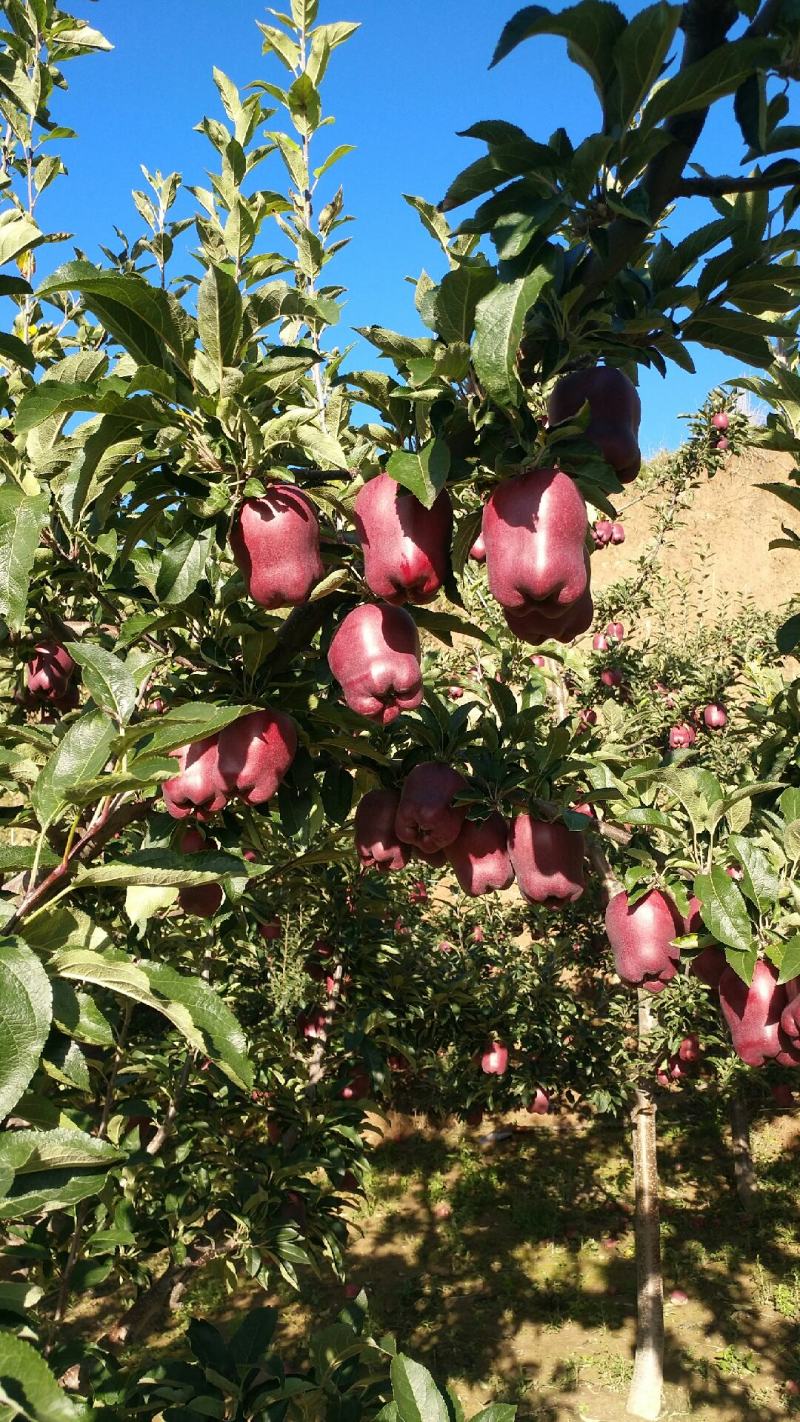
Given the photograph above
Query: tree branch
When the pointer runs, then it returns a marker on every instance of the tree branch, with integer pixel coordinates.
(720, 187)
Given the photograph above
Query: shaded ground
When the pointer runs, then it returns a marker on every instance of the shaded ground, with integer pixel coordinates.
(526, 1292)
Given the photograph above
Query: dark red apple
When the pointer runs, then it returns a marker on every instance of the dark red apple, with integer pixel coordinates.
(690, 1049)
(537, 660)
(615, 631)
(201, 900)
(611, 677)
(617, 533)
(270, 931)
(49, 672)
(478, 550)
(534, 527)
(547, 859)
(681, 737)
(198, 788)
(601, 533)
(539, 1104)
(708, 966)
(722, 444)
(455, 692)
(255, 753)
(479, 856)
(599, 642)
(753, 1013)
(715, 716)
(587, 718)
(275, 544)
(426, 815)
(374, 656)
(358, 1087)
(377, 844)
(615, 413)
(537, 626)
(720, 421)
(494, 1059)
(313, 1023)
(406, 546)
(641, 939)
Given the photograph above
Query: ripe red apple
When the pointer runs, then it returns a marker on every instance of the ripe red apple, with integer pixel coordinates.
(275, 545)
(201, 900)
(790, 1016)
(374, 655)
(479, 856)
(754, 1015)
(358, 1087)
(445, 947)
(722, 444)
(376, 841)
(733, 871)
(255, 753)
(406, 546)
(599, 642)
(158, 705)
(782, 1094)
(478, 550)
(583, 809)
(547, 859)
(539, 1104)
(690, 1049)
(442, 1210)
(641, 939)
(679, 1298)
(611, 677)
(270, 931)
(708, 966)
(198, 788)
(720, 421)
(601, 532)
(455, 692)
(587, 718)
(538, 661)
(426, 815)
(418, 894)
(615, 631)
(537, 626)
(49, 672)
(681, 737)
(397, 1062)
(534, 526)
(617, 533)
(715, 716)
(615, 412)
(313, 1023)
(494, 1059)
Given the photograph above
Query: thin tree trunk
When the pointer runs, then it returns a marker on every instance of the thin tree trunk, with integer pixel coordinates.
(644, 1397)
(746, 1182)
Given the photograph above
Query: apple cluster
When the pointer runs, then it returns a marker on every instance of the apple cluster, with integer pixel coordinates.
(423, 820)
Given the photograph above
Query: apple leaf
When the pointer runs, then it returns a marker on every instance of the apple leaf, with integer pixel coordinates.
(499, 323)
(22, 518)
(107, 679)
(415, 1392)
(724, 910)
(26, 1003)
(423, 473)
(790, 960)
(760, 883)
(28, 1389)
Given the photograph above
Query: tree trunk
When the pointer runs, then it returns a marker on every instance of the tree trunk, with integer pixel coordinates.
(746, 1182)
(644, 1397)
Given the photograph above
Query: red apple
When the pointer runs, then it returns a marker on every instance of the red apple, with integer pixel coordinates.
(313, 1023)
(587, 718)
(617, 533)
(443, 1210)
(494, 1059)
(538, 661)
(479, 856)
(715, 716)
(539, 1104)
(374, 656)
(722, 444)
(753, 1013)
(708, 966)
(601, 532)
(534, 526)
(201, 900)
(49, 672)
(270, 931)
(615, 412)
(445, 947)
(198, 787)
(255, 753)
(681, 737)
(426, 815)
(615, 631)
(455, 692)
(641, 939)
(547, 859)
(376, 841)
(599, 642)
(720, 421)
(478, 550)
(406, 546)
(275, 544)
(536, 626)
(611, 677)
(397, 1062)
(358, 1087)
(690, 1049)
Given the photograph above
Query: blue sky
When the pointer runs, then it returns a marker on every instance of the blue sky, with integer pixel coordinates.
(413, 75)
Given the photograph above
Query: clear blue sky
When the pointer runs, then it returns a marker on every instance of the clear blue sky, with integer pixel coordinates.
(414, 74)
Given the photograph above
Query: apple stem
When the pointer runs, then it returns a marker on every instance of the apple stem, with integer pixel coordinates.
(644, 1397)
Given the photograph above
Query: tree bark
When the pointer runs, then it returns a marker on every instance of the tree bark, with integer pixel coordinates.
(744, 1170)
(644, 1397)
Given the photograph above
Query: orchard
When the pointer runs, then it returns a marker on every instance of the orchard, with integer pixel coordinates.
(347, 781)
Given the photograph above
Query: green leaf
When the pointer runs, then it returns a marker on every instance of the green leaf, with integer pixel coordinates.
(591, 29)
(18, 234)
(760, 883)
(77, 1015)
(424, 473)
(142, 317)
(788, 635)
(499, 323)
(51, 1170)
(790, 960)
(190, 1004)
(22, 518)
(496, 1412)
(183, 564)
(219, 317)
(164, 868)
(716, 74)
(445, 625)
(81, 755)
(64, 1061)
(13, 351)
(639, 55)
(415, 1392)
(106, 678)
(304, 105)
(724, 910)
(27, 1386)
(26, 1003)
(182, 726)
(458, 296)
